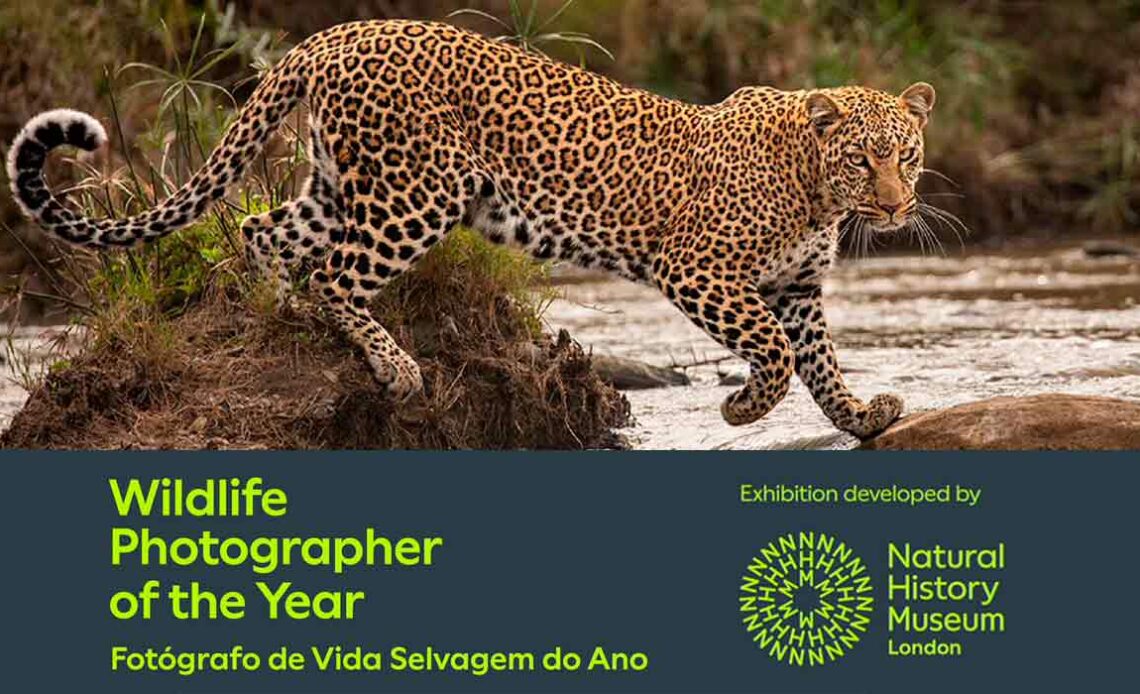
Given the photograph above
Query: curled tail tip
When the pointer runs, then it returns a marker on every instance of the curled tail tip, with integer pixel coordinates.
(63, 126)
(39, 136)
(49, 130)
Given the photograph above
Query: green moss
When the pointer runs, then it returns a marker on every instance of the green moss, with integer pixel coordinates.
(166, 276)
(466, 254)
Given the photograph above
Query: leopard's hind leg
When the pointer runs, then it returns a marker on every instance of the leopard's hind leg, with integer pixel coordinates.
(280, 242)
(283, 240)
(391, 219)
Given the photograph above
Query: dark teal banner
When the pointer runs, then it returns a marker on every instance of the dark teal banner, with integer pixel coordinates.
(616, 572)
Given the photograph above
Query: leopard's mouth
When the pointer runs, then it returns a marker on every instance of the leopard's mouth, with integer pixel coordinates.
(880, 219)
(887, 225)
(881, 222)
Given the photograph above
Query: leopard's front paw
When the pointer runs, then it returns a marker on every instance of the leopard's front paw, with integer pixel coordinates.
(400, 376)
(408, 383)
(879, 414)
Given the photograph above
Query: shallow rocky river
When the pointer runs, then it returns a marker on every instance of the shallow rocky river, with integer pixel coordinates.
(937, 330)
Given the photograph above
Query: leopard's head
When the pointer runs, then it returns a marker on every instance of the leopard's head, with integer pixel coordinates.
(871, 144)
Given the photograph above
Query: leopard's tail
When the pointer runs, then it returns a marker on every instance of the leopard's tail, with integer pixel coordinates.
(266, 109)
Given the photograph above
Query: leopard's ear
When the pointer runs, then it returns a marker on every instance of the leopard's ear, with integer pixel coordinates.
(824, 113)
(918, 100)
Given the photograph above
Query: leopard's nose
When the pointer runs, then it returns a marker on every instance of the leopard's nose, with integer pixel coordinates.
(890, 208)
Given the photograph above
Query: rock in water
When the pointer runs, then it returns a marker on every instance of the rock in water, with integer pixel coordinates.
(1110, 249)
(630, 374)
(1041, 422)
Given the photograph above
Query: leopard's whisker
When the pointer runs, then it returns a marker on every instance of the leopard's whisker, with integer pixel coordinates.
(931, 236)
(939, 174)
(916, 232)
(868, 237)
(943, 195)
(845, 226)
(947, 224)
(943, 215)
(946, 219)
(955, 219)
(857, 245)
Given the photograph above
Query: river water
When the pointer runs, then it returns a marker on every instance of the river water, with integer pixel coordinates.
(936, 330)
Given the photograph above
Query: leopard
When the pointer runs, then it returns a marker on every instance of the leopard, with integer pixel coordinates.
(734, 210)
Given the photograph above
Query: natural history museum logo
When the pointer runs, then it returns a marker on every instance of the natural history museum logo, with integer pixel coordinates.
(806, 599)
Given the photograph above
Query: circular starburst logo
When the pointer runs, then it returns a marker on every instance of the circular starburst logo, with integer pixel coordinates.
(806, 599)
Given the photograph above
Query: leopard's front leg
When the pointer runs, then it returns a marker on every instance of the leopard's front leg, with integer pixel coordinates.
(799, 309)
(731, 310)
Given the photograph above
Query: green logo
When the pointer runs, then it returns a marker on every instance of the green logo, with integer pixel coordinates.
(806, 599)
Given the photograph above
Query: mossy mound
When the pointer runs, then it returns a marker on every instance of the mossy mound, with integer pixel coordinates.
(227, 373)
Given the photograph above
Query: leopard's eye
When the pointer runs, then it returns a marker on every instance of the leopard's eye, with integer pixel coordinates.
(858, 159)
(908, 154)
